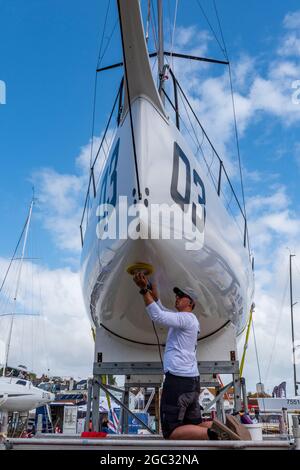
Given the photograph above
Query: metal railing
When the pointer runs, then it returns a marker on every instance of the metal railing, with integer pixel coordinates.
(92, 184)
(215, 167)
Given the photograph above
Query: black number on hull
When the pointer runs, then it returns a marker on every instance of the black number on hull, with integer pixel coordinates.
(177, 197)
(108, 191)
(182, 199)
(199, 223)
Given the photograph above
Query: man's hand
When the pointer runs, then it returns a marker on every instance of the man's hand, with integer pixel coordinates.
(154, 291)
(141, 280)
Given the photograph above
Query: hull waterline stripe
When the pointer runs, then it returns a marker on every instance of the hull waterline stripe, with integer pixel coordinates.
(163, 345)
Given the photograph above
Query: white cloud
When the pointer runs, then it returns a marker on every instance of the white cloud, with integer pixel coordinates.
(292, 20)
(273, 223)
(277, 201)
(290, 45)
(273, 323)
(61, 196)
(60, 339)
(195, 40)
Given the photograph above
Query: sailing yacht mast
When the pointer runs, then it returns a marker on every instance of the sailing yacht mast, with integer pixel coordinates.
(160, 50)
(17, 287)
(292, 324)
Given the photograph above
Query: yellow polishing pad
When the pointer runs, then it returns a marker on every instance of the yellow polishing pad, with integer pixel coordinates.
(145, 268)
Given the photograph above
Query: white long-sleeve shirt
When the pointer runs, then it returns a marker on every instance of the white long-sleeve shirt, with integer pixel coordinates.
(181, 345)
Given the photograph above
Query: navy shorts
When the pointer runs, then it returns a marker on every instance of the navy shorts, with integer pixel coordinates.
(179, 403)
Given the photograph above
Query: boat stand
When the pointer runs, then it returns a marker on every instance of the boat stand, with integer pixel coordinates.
(150, 375)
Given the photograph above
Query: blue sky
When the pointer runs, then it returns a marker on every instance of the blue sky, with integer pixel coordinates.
(48, 54)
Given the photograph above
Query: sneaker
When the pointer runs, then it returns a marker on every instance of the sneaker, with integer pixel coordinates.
(223, 432)
(238, 428)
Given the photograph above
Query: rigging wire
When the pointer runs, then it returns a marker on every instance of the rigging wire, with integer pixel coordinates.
(148, 21)
(277, 327)
(234, 116)
(14, 254)
(297, 267)
(257, 362)
(212, 29)
(154, 27)
(169, 22)
(173, 34)
(256, 353)
(96, 82)
(108, 42)
(95, 91)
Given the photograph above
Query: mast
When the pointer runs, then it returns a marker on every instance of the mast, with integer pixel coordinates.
(292, 323)
(160, 49)
(17, 287)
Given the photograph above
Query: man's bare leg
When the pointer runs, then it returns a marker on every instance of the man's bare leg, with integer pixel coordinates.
(206, 424)
(191, 432)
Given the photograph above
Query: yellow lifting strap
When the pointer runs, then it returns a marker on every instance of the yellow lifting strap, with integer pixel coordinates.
(246, 340)
(93, 333)
(104, 380)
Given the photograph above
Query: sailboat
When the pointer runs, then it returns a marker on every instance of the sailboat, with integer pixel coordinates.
(151, 164)
(18, 393)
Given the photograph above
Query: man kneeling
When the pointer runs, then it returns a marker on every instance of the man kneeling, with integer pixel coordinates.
(180, 408)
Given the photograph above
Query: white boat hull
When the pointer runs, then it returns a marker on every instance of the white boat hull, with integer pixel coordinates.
(21, 397)
(220, 271)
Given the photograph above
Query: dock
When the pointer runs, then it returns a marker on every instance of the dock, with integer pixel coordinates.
(139, 442)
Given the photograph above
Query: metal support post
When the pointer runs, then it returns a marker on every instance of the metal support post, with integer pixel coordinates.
(95, 403)
(237, 393)
(244, 392)
(126, 403)
(123, 405)
(220, 404)
(88, 406)
(296, 432)
(157, 409)
(122, 414)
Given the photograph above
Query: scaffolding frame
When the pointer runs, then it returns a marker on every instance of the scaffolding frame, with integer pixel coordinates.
(150, 369)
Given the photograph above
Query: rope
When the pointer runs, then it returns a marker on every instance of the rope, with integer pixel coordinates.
(158, 344)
